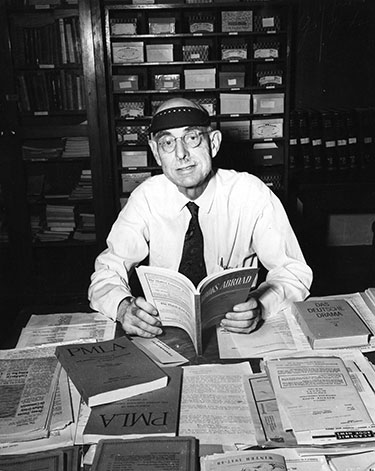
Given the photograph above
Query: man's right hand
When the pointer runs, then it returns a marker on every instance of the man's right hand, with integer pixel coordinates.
(139, 317)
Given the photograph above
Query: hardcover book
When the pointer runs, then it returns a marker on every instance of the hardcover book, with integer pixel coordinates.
(147, 454)
(154, 413)
(109, 371)
(331, 323)
(192, 309)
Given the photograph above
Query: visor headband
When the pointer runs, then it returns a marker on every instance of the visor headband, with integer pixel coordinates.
(178, 117)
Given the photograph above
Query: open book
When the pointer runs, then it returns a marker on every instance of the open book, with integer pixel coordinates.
(192, 309)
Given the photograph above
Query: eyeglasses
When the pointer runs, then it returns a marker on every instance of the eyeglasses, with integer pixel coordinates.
(191, 140)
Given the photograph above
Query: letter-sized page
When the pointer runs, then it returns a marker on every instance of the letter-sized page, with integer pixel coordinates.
(279, 333)
(315, 393)
(363, 377)
(215, 405)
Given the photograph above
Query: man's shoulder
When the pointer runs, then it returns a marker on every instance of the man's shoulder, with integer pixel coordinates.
(240, 180)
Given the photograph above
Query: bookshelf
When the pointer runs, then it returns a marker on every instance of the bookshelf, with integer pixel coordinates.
(53, 174)
(233, 58)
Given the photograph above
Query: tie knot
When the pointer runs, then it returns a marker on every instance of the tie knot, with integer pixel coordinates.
(193, 208)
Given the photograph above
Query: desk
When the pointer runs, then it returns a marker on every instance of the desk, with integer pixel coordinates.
(176, 338)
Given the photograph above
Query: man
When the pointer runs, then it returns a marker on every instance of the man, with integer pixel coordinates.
(240, 218)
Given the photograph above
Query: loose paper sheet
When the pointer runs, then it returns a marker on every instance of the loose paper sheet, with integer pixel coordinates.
(215, 405)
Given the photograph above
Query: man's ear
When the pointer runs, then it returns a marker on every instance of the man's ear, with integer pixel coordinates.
(154, 149)
(215, 139)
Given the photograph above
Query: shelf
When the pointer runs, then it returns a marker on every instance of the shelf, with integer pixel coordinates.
(252, 59)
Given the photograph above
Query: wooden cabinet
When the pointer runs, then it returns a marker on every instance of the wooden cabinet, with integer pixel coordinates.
(233, 58)
(53, 171)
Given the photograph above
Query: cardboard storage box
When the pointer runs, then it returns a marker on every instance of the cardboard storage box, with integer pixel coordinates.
(167, 81)
(195, 52)
(165, 25)
(130, 181)
(235, 103)
(125, 82)
(231, 79)
(201, 24)
(267, 153)
(127, 52)
(121, 26)
(233, 50)
(159, 52)
(236, 130)
(267, 128)
(268, 103)
(131, 109)
(200, 78)
(134, 158)
(236, 21)
(132, 134)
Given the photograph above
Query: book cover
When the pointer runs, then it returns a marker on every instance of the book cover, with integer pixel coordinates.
(192, 309)
(155, 413)
(331, 323)
(147, 454)
(109, 371)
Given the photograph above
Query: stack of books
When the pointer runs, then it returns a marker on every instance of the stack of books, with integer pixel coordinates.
(76, 147)
(60, 223)
(85, 230)
(83, 189)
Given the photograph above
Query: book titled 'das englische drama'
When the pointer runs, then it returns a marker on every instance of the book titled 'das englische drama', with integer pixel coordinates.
(111, 370)
(194, 309)
(331, 323)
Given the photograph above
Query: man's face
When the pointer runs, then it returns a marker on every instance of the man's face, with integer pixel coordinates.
(186, 166)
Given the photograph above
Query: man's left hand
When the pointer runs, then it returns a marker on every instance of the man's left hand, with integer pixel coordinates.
(244, 318)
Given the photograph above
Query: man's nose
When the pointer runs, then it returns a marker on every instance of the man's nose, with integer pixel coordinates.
(181, 149)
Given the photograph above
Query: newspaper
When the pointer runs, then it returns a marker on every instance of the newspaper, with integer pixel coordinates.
(28, 383)
(44, 329)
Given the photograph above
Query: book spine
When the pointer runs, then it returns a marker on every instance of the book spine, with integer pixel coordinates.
(64, 58)
(304, 327)
(198, 324)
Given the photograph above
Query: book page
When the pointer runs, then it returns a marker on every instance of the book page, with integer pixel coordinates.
(172, 296)
(315, 393)
(215, 405)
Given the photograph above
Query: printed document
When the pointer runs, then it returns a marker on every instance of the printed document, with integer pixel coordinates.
(316, 393)
(215, 405)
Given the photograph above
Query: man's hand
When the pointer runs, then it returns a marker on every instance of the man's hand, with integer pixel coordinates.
(244, 318)
(138, 317)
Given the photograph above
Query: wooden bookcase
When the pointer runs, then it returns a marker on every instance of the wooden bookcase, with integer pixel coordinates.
(233, 58)
(53, 174)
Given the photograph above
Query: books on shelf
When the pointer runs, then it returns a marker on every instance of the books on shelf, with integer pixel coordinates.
(154, 413)
(192, 309)
(76, 147)
(108, 371)
(331, 323)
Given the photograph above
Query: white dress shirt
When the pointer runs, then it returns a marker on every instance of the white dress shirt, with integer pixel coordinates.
(241, 220)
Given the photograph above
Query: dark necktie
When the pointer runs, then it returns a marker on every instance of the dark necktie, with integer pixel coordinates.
(192, 261)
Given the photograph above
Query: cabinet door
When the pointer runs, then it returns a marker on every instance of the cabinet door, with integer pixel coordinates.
(47, 103)
(233, 59)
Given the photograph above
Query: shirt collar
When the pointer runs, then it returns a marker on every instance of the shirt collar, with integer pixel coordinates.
(205, 201)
